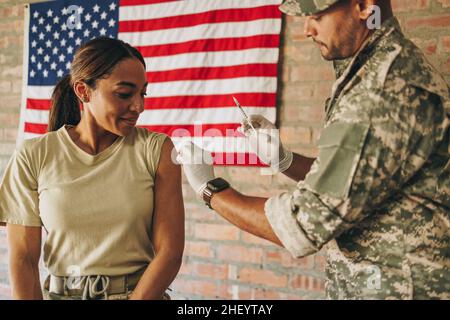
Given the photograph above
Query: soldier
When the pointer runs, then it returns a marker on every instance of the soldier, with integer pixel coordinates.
(379, 191)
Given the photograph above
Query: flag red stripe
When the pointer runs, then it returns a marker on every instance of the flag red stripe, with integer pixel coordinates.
(208, 73)
(210, 45)
(205, 130)
(38, 104)
(36, 128)
(181, 102)
(141, 2)
(235, 159)
(212, 101)
(189, 20)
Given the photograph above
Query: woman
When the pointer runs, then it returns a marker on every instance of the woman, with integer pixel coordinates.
(107, 193)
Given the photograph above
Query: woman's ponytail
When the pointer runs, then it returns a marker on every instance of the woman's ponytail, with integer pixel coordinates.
(65, 106)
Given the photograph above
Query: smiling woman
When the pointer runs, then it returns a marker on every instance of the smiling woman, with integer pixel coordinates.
(105, 191)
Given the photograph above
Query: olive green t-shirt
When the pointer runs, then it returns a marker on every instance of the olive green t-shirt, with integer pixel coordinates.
(96, 209)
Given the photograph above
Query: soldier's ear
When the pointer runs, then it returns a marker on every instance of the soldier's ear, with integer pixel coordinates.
(366, 8)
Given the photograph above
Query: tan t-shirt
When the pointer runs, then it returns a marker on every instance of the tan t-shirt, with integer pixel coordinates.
(97, 209)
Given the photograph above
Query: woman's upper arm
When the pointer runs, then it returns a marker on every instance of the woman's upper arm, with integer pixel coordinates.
(24, 242)
(168, 220)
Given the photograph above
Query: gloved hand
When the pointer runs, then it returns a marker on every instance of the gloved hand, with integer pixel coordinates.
(265, 142)
(197, 166)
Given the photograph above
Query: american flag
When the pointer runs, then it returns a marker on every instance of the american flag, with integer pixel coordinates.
(199, 54)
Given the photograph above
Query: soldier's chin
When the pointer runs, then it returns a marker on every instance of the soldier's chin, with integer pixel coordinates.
(326, 54)
(330, 55)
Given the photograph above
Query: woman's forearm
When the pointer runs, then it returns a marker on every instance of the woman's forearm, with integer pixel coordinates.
(25, 281)
(158, 276)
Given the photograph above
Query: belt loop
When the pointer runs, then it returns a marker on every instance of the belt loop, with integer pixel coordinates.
(66, 292)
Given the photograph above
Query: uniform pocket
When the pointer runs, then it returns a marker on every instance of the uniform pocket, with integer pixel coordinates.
(340, 148)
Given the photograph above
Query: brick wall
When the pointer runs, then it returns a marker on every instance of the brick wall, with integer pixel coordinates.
(221, 261)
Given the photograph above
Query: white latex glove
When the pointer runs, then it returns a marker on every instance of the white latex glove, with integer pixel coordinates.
(197, 166)
(265, 142)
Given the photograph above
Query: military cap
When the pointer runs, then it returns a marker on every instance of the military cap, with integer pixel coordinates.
(305, 7)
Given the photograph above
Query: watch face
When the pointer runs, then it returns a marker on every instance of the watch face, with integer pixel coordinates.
(218, 184)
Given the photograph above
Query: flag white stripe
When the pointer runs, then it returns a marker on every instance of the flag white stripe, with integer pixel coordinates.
(175, 116)
(217, 144)
(201, 32)
(212, 59)
(210, 87)
(187, 88)
(170, 9)
(204, 115)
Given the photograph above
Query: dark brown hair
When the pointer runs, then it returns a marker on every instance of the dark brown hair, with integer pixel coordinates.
(94, 60)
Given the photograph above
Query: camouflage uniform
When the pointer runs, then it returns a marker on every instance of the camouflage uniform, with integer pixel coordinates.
(379, 191)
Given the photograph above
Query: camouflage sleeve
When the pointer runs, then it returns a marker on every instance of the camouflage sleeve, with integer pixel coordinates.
(361, 163)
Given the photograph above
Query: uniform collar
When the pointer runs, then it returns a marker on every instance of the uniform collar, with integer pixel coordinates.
(368, 46)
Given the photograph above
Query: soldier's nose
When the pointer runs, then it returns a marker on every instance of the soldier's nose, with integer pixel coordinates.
(308, 29)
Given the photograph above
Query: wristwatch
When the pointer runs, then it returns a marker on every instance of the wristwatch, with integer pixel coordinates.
(212, 187)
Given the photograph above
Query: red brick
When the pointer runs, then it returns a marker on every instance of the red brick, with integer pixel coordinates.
(5, 86)
(9, 135)
(445, 43)
(199, 249)
(307, 283)
(295, 135)
(9, 102)
(320, 262)
(252, 176)
(428, 46)
(9, 120)
(251, 239)
(410, 5)
(311, 114)
(441, 21)
(260, 294)
(12, 11)
(301, 53)
(297, 92)
(203, 288)
(239, 253)
(7, 149)
(323, 89)
(216, 232)
(12, 72)
(284, 258)
(189, 229)
(201, 269)
(264, 277)
(11, 41)
(310, 73)
(444, 3)
(198, 211)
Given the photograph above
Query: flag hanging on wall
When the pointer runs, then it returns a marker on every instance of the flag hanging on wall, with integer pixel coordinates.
(199, 54)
